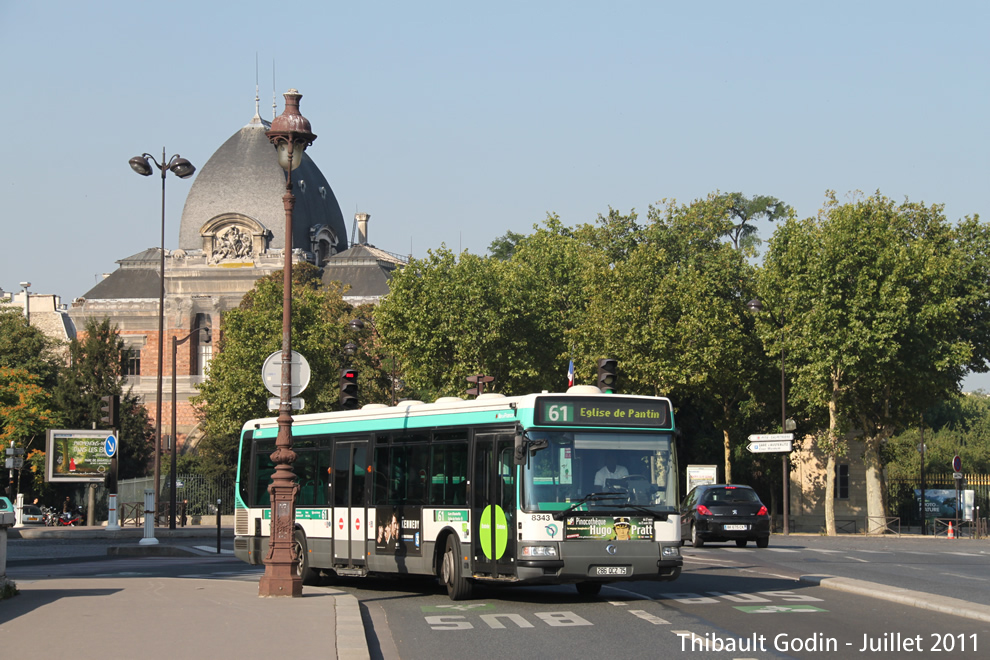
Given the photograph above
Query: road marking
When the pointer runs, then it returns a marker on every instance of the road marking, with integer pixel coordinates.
(827, 552)
(967, 577)
(646, 616)
(865, 561)
(875, 552)
(776, 609)
(631, 595)
(782, 550)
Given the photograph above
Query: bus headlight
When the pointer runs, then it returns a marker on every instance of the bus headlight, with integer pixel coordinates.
(669, 552)
(539, 551)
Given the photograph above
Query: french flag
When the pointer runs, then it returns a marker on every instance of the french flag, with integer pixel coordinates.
(570, 374)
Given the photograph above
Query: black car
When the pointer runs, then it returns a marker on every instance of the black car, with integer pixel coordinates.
(723, 512)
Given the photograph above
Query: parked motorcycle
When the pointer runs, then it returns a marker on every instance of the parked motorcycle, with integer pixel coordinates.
(72, 518)
(50, 516)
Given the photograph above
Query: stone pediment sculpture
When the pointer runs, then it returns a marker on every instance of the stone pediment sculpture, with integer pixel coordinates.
(234, 243)
(233, 237)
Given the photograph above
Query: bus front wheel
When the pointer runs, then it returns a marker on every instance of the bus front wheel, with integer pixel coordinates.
(452, 572)
(307, 574)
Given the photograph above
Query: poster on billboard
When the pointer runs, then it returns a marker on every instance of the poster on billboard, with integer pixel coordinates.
(700, 475)
(76, 456)
(942, 503)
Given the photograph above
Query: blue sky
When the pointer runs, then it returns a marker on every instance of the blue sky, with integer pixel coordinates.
(453, 122)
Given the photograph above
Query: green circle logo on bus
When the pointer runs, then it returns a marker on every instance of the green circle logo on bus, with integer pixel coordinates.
(501, 531)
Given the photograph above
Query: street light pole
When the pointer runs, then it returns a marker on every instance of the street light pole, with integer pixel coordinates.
(756, 306)
(358, 325)
(172, 472)
(290, 133)
(183, 169)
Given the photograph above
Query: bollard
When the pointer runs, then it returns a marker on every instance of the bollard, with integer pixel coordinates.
(149, 518)
(112, 525)
(218, 526)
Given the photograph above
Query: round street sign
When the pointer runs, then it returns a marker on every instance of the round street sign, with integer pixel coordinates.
(110, 446)
(956, 464)
(271, 373)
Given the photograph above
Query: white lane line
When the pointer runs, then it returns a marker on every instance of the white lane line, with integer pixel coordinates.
(646, 616)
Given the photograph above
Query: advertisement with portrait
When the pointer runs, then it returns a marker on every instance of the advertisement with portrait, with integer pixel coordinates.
(399, 532)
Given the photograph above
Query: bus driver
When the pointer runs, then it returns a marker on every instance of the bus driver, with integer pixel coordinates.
(610, 471)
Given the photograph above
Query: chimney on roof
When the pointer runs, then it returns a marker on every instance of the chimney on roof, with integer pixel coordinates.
(362, 227)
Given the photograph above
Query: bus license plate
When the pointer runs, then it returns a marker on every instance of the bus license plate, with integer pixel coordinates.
(612, 570)
(736, 528)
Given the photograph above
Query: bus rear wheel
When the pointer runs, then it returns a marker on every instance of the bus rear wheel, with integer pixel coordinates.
(589, 588)
(452, 572)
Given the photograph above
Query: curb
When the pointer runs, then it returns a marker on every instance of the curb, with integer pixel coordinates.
(919, 599)
(351, 640)
(122, 533)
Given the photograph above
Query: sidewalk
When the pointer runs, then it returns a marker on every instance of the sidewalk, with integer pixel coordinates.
(155, 618)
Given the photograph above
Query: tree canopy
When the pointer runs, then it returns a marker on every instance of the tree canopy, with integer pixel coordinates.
(879, 316)
(235, 392)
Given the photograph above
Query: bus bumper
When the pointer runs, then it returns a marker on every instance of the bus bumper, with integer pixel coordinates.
(251, 549)
(584, 561)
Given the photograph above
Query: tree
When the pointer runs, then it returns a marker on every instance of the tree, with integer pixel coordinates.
(503, 247)
(25, 410)
(743, 210)
(235, 392)
(881, 316)
(673, 311)
(95, 370)
(23, 346)
(452, 317)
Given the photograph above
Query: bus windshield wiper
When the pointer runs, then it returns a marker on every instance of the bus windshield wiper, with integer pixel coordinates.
(590, 497)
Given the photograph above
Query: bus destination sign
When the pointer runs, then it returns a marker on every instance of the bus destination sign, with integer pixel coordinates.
(602, 411)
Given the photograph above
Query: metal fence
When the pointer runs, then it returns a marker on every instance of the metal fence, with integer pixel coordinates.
(195, 493)
(903, 501)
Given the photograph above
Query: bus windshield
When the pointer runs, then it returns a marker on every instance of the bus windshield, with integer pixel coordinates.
(603, 469)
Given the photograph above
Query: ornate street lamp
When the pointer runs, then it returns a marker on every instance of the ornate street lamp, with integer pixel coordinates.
(183, 169)
(290, 133)
(786, 425)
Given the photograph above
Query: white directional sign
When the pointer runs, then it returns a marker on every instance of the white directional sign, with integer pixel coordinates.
(110, 446)
(770, 446)
(770, 437)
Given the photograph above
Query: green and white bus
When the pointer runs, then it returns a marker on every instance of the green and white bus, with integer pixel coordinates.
(577, 487)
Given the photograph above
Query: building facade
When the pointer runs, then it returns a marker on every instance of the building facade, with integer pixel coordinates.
(232, 232)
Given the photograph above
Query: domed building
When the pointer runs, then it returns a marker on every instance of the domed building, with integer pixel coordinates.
(232, 232)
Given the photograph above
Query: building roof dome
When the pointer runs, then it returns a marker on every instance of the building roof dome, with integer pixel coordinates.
(243, 177)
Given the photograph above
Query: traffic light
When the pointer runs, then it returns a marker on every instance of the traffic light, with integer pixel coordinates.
(479, 380)
(348, 389)
(110, 412)
(608, 374)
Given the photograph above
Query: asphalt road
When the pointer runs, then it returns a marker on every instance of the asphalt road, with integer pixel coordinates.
(729, 602)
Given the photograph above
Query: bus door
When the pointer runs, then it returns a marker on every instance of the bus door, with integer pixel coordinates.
(350, 514)
(493, 505)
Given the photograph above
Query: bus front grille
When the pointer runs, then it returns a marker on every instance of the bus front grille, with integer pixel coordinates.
(241, 522)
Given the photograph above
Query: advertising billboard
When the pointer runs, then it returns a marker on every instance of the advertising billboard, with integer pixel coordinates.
(942, 503)
(700, 475)
(76, 456)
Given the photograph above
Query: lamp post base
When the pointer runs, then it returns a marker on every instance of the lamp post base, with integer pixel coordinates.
(280, 580)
